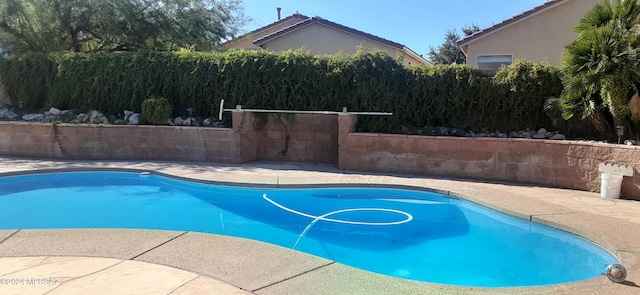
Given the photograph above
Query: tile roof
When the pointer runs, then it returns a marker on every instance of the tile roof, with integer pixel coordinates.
(508, 22)
(273, 24)
(334, 25)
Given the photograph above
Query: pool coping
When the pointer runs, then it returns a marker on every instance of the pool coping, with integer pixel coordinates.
(262, 268)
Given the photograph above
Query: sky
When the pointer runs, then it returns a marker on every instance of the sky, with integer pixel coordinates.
(418, 24)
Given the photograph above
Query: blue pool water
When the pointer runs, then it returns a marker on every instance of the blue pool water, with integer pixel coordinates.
(409, 234)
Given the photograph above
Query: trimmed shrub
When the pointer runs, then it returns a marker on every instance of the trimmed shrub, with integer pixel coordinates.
(156, 110)
(528, 85)
(28, 79)
(453, 96)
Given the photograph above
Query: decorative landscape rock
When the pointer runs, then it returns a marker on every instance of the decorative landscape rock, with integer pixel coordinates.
(33, 117)
(558, 137)
(539, 136)
(442, 131)
(81, 118)
(130, 117)
(134, 119)
(458, 132)
(209, 122)
(128, 114)
(54, 111)
(542, 133)
(7, 114)
(190, 122)
(97, 118)
(49, 118)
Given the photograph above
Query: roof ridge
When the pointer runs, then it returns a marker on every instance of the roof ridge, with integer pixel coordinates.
(509, 21)
(318, 19)
(280, 21)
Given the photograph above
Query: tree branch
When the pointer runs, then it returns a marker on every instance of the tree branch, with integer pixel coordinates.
(7, 28)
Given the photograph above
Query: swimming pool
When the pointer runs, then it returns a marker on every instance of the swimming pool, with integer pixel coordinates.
(410, 234)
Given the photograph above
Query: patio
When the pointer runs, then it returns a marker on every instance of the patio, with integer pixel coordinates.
(166, 262)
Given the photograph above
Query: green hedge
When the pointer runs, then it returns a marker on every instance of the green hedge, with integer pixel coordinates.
(28, 79)
(527, 85)
(454, 96)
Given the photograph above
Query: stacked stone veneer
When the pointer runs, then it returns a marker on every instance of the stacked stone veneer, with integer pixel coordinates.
(331, 139)
(565, 164)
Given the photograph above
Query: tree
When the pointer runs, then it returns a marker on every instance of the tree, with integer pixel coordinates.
(600, 67)
(449, 52)
(117, 25)
(470, 30)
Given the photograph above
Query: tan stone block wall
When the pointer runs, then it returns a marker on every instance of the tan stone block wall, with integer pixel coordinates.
(564, 164)
(110, 142)
(330, 139)
(311, 138)
(300, 138)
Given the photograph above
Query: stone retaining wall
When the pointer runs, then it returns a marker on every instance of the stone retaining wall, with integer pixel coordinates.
(303, 138)
(564, 164)
(331, 139)
(110, 142)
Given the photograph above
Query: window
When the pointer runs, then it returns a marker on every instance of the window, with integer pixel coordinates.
(493, 62)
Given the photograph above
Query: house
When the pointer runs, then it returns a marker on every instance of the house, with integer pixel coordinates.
(539, 34)
(320, 36)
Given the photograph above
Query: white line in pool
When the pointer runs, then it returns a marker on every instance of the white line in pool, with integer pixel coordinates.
(323, 217)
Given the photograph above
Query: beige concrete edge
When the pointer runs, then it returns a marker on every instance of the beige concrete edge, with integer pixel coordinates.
(588, 225)
(93, 275)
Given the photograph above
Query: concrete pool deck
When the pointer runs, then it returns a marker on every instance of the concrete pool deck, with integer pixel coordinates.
(129, 261)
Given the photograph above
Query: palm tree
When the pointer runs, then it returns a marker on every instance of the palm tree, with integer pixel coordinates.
(625, 10)
(600, 67)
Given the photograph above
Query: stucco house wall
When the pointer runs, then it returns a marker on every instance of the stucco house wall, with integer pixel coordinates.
(407, 59)
(541, 36)
(325, 41)
(320, 36)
